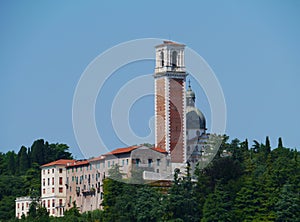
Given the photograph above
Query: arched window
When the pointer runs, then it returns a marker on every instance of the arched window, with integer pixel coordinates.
(162, 59)
(174, 59)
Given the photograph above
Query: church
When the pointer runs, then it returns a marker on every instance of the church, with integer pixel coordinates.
(180, 137)
(180, 127)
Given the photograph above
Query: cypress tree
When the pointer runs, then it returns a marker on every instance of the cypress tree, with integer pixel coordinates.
(23, 160)
(268, 146)
(280, 143)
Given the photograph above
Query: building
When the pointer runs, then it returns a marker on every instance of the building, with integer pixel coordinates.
(138, 157)
(84, 177)
(169, 78)
(180, 127)
(22, 206)
(84, 184)
(53, 189)
(180, 136)
(196, 135)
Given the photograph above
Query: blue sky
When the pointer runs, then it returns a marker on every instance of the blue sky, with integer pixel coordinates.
(252, 46)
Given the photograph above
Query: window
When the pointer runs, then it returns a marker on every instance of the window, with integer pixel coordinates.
(18, 205)
(108, 164)
(53, 211)
(168, 162)
(44, 191)
(60, 170)
(72, 178)
(52, 180)
(22, 206)
(157, 162)
(70, 200)
(162, 59)
(44, 172)
(123, 162)
(48, 203)
(67, 181)
(53, 202)
(53, 170)
(81, 168)
(126, 161)
(60, 189)
(149, 162)
(48, 181)
(60, 202)
(91, 167)
(27, 204)
(87, 168)
(52, 189)
(48, 171)
(44, 182)
(60, 181)
(174, 59)
(44, 203)
(137, 162)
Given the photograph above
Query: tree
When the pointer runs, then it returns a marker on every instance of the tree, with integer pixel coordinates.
(11, 156)
(217, 206)
(280, 142)
(148, 205)
(268, 146)
(288, 204)
(23, 160)
(182, 202)
(38, 152)
(72, 214)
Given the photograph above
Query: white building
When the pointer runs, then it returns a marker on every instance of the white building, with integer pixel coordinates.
(53, 189)
(22, 206)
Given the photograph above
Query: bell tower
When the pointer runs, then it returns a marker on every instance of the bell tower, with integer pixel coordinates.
(170, 100)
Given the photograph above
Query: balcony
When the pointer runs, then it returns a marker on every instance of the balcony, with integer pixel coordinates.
(91, 192)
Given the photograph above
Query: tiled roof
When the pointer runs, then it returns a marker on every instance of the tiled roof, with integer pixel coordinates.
(59, 162)
(78, 163)
(97, 158)
(122, 150)
(169, 43)
(159, 150)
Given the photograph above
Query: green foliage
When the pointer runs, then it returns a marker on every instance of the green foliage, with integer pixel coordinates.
(256, 184)
(20, 174)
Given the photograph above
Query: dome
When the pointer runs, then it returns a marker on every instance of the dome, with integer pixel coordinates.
(190, 93)
(195, 118)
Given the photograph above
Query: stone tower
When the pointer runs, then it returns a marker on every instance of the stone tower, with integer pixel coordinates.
(170, 101)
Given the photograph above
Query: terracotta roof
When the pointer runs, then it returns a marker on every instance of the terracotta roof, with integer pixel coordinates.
(169, 43)
(78, 163)
(159, 150)
(97, 158)
(122, 150)
(59, 162)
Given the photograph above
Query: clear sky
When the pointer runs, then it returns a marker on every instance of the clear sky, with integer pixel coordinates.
(252, 46)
